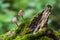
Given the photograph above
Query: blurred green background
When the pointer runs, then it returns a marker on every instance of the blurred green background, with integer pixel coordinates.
(10, 8)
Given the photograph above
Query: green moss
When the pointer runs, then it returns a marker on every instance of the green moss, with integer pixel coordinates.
(45, 38)
(38, 36)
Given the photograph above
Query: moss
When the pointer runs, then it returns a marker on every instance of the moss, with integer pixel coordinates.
(45, 38)
(14, 33)
(40, 35)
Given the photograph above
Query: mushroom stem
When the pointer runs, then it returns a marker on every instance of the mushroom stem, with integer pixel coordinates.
(16, 24)
(22, 18)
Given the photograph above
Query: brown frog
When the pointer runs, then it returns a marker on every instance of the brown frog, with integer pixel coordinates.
(40, 21)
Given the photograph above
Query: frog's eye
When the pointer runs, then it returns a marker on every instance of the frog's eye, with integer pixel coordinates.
(49, 6)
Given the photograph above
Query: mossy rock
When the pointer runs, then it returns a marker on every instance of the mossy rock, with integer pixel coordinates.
(41, 35)
(20, 34)
(44, 34)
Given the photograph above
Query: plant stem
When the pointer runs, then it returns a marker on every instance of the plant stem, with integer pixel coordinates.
(16, 24)
(22, 18)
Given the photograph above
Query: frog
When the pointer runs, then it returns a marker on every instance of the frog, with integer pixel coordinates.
(40, 21)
